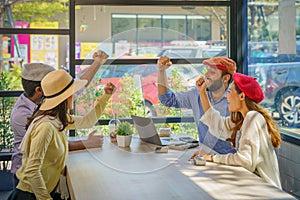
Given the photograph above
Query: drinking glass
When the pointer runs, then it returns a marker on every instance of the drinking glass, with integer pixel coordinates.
(113, 126)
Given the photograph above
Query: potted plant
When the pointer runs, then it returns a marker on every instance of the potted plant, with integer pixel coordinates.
(124, 134)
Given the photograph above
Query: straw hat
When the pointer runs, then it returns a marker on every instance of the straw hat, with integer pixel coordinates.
(57, 86)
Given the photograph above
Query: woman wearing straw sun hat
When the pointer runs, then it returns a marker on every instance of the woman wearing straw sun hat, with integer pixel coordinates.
(250, 129)
(44, 145)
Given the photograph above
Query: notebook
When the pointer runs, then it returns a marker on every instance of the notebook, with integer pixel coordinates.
(148, 132)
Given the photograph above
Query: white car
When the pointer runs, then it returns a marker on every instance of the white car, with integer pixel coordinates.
(191, 51)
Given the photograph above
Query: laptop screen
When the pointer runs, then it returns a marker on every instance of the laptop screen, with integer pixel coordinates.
(148, 133)
(146, 129)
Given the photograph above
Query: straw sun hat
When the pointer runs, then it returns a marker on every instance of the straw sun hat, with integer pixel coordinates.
(57, 86)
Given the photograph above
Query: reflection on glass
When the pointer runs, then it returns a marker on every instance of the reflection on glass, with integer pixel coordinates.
(275, 64)
(147, 32)
(36, 14)
(179, 32)
(113, 126)
(24, 48)
(181, 77)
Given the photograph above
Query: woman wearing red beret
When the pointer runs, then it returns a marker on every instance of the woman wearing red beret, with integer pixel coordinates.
(250, 128)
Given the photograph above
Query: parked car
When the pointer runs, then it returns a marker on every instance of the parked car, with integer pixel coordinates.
(277, 74)
(202, 51)
(267, 52)
(147, 51)
(279, 77)
(280, 81)
(191, 51)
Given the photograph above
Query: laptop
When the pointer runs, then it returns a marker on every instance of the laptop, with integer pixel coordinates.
(148, 132)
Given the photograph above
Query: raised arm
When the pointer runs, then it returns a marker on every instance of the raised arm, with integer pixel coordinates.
(162, 80)
(201, 86)
(93, 141)
(100, 58)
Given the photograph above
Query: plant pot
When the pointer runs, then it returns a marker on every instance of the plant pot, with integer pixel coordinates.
(124, 140)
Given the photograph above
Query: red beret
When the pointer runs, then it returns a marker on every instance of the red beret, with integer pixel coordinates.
(249, 86)
(222, 63)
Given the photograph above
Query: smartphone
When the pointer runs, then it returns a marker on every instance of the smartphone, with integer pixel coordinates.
(163, 149)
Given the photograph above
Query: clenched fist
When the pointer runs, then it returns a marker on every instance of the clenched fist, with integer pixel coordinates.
(163, 63)
(110, 88)
(100, 57)
(201, 84)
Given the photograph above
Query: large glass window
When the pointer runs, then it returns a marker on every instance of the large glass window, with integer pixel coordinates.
(199, 28)
(177, 32)
(140, 33)
(137, 35)
(124, 27)
(273, 57)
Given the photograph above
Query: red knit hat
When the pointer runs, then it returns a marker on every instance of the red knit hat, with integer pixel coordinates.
(249, 86)
(222, 63)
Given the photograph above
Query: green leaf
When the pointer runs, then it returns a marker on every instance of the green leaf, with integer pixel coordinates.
(124, 128)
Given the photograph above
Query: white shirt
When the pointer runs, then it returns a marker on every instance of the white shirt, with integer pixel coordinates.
(255, 151)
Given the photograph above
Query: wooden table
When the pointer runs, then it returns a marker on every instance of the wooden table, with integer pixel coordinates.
(138, 173)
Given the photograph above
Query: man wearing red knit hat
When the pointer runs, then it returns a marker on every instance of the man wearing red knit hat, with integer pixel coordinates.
(218, 76)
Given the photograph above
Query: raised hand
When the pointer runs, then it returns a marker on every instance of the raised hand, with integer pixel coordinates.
(163, 63)
(201, 84)
(100, 57)
(110, 88)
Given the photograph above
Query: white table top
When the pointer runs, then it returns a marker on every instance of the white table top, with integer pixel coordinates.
(139, 173)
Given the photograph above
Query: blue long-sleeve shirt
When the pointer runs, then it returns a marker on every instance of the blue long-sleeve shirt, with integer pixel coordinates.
(191, 100)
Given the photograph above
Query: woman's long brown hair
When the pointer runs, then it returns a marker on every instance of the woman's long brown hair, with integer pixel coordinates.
(60, 112)
(237, 118)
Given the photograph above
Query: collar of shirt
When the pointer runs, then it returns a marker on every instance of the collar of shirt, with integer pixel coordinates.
(212, 100)
(26, 101)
